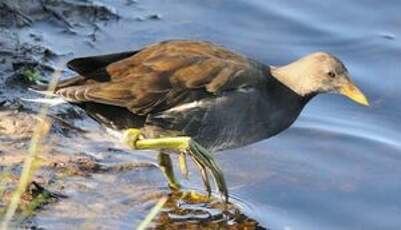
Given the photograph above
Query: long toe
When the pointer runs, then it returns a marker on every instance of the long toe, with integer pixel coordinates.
(205, 177)
(205, 159)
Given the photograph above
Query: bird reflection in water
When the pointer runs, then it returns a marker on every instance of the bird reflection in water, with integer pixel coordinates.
(192, 210)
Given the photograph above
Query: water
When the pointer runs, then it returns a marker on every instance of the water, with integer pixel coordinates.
(338, 166)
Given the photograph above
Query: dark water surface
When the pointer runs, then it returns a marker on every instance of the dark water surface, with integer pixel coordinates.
(339, 165)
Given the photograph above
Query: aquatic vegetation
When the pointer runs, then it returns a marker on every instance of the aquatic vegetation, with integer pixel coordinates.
(152, 214)
(31, 75)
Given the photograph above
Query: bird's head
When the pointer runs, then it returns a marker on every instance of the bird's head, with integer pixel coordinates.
(319, 72)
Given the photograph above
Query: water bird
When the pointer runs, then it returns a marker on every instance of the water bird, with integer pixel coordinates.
(195, 97)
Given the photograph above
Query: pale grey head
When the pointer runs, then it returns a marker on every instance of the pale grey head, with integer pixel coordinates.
(319, 72)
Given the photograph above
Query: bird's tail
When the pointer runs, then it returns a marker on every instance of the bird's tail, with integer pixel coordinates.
(51, 98)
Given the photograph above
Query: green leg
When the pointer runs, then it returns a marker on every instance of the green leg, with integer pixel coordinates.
(167, 168)
(200, 155)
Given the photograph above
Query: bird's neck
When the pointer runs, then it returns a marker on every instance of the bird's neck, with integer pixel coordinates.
(290, 76)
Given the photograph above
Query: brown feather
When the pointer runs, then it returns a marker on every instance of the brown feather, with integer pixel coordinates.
(157, 77)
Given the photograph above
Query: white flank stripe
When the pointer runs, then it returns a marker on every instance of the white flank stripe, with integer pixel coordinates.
(49, 101)
(186, 106)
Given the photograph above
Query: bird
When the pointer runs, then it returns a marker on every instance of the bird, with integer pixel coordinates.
(192, 98)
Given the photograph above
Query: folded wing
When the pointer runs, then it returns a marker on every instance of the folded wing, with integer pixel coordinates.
(161, 76)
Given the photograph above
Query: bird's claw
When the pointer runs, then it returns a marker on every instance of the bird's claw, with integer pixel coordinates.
(205, 176)
(206, 163)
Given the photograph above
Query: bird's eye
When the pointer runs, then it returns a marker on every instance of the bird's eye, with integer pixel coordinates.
(331, 74)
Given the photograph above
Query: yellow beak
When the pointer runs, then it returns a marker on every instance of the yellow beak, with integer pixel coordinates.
(352, 92)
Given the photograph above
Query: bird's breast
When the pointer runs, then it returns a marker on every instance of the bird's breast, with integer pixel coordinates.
(234, 118)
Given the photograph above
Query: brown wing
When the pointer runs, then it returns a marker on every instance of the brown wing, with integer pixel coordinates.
(165, 74)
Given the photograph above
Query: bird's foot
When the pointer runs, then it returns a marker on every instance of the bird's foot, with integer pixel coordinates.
(192, 196)
(166, 167)
(186, 146)
(131, 136)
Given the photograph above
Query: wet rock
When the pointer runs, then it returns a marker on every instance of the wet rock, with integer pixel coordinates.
(11, 15)
(62, 12)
